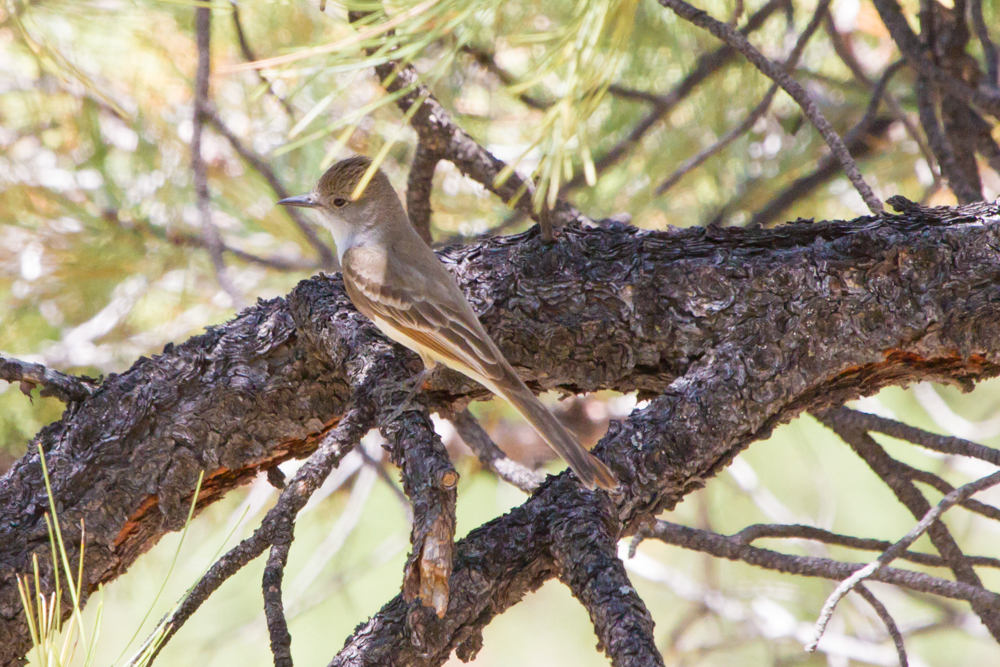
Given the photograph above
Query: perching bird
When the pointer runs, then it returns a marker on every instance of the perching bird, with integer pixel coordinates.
(396, 280)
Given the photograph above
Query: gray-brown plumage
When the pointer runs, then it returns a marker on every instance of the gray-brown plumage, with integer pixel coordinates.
(397, 281)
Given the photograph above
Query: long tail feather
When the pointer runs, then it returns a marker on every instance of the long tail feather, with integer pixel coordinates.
(587, 467)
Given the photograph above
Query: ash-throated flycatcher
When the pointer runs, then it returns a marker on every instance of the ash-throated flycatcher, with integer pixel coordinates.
(397, 281)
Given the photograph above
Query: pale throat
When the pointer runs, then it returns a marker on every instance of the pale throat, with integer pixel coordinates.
(343, 234)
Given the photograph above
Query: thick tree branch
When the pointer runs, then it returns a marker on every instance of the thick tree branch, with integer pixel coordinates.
(732, 331)
(585, 547)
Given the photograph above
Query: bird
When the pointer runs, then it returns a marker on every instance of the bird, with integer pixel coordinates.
(394, 278)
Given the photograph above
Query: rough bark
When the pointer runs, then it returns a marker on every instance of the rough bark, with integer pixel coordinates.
(731, 332)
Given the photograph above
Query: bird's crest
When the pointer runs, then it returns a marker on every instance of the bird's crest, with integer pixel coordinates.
(342, 179)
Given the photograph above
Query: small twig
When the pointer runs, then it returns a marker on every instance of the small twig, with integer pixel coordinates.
(419, 186)
(842, 47)
(270, 262)
(757, 113)
(794, 531)
(989, 48)
(250, 57)
(733, 548)
(893, 552)
(491, 456)
(387, 479)
(67, 388)
(327, 258)
(890, 624)
(707, 64)
(900, 480)
(353, 425)
(946, 444)
(792, 87)
(213, 242)
(274, 609)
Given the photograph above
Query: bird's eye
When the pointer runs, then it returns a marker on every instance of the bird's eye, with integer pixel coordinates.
(340, 202)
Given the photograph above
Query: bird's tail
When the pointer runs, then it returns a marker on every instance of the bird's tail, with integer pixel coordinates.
(587, 467)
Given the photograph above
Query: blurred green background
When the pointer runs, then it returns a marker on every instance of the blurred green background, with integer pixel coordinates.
(101, 262)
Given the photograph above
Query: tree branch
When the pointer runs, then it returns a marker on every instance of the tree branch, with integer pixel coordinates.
(419, 187)
(67, 388)
(213, 242)
(820, 319)
(491, 456)
(584, 545)
(790, 86)
(908, 494)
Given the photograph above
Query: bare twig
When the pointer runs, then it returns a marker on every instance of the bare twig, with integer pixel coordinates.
(896, 478)
(732, 548)
(270, 262)
(890, 624)
(250, 56)
(842, 47)
(67, 388)
(945, 444)
(491, 456)
(419, 187)
(794, 531)
(896, 549)
(706, 65)
(213, 242)
(355, 422)
(757, 113)
(857, 139)
(327, 259)
(792, 87)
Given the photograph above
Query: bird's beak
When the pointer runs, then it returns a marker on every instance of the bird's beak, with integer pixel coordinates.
(306, 201)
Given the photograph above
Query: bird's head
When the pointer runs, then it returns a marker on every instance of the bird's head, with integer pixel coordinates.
(334, 197)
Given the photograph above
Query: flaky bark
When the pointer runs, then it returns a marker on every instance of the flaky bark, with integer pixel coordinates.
(730, 332)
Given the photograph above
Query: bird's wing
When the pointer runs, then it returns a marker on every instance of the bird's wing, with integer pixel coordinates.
(438, 317)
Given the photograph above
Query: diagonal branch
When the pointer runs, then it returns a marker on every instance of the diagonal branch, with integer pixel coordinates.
(277, 523)
(790, 86)
(491, 456)
(908, 494)
(706, 65)
(584, 545)
(326, 256)
(897, 549)
(755, 114)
